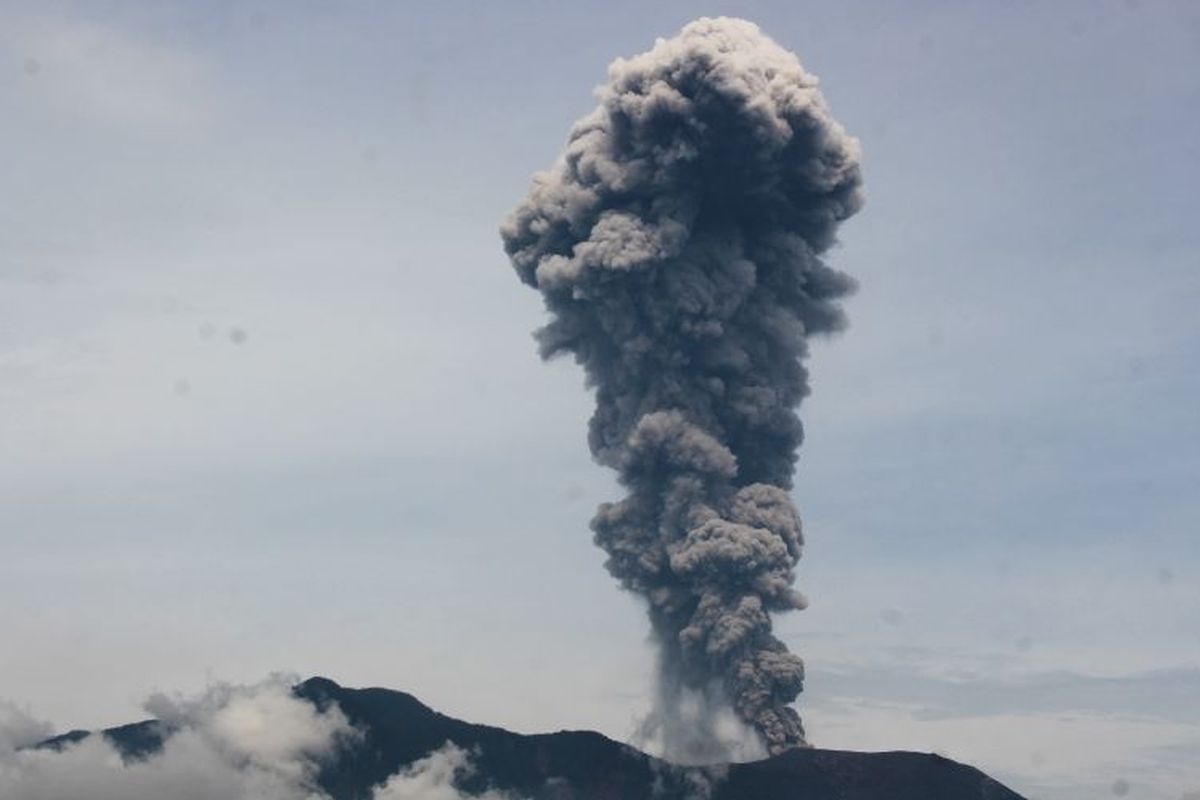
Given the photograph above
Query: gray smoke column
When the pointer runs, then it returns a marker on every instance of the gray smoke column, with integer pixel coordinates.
(677, 244)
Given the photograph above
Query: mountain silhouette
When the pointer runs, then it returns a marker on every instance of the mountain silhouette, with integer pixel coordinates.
(398, 729)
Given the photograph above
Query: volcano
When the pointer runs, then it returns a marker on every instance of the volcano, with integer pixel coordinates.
(397, 730)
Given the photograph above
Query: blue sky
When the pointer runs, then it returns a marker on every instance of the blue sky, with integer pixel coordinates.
(268, 399)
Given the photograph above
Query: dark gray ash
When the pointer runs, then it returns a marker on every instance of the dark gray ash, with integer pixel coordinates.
(677, 243)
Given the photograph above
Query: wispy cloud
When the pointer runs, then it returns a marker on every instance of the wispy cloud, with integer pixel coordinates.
(1167, 695)
(1059, 735)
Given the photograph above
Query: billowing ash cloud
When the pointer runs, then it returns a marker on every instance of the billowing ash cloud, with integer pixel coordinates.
(677, 245)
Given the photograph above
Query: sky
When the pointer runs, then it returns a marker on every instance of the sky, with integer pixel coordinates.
(269, 400)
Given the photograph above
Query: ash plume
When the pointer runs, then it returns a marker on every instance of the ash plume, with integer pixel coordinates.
(677, 244)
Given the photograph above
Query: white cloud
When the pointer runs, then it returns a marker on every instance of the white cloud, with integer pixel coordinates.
(19, 729)
(229, 743)
(435, 777)
(1067, 755)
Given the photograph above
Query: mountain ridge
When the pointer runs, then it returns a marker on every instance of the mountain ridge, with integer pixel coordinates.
(397, 729)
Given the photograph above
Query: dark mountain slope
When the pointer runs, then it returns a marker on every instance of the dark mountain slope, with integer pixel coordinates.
(581, 765)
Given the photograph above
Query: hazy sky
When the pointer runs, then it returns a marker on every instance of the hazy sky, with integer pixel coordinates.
(268, 398)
